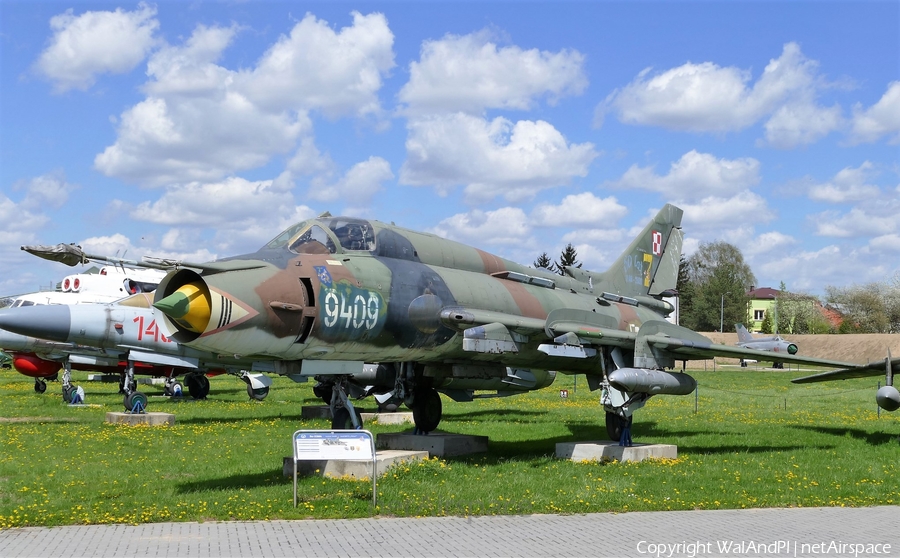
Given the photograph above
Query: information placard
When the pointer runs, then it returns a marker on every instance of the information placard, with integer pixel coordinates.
(345, 445)
(338, 445)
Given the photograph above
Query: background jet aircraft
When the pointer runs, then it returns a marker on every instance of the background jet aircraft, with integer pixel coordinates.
(109, 284)
(773, 344)
(123, 337)
(408, 315)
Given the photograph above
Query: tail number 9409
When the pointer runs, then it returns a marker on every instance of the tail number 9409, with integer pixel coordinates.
(356, 309)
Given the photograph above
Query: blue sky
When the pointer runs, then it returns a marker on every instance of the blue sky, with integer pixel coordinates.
(200, 130)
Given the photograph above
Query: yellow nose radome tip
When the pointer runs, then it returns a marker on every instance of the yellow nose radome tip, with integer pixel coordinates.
(189, 307)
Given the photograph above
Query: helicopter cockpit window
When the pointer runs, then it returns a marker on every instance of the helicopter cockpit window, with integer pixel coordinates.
(353, 234)
(313, 241)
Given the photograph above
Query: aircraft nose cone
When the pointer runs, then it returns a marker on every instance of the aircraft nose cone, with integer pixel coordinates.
(189, 307)
(49, 322)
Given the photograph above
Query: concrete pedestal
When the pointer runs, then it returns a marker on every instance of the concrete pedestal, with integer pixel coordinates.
(150, 419)
(322, 412)
(606, 450)
(315, 412)
(438, 444)
(387, 418)
(384, 460)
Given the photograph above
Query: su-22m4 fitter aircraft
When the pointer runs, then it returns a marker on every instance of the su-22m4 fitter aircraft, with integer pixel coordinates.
(370, 308)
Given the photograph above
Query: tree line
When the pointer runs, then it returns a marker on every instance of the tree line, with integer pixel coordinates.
(714, 282)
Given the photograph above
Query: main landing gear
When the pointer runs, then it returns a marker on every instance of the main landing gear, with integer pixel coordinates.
(134, 401)
(198, 385)
(73, 395)
(173, 388)
(410, 387)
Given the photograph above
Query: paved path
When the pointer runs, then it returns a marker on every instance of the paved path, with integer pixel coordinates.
(762, 532)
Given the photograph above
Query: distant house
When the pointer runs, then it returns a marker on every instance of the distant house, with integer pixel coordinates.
(762, 300)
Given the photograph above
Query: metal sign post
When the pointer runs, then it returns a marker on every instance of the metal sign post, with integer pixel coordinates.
(340, 445)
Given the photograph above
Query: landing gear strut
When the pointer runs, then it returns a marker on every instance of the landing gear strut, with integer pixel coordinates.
(344, 415)
(134, 401)
(71, 394)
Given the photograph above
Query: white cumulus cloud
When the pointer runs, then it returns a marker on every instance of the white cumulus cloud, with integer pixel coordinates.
(705, 97)
(491, 158)
(470, 73)
(580, 210)
(881, 119)
(507, 225)
(317, 68)
(694, 176)
(202, 121)
(93, 43)
(849, 184)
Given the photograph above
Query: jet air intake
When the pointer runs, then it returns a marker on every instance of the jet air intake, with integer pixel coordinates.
(792, 349)
(184, 298)
(653, 382)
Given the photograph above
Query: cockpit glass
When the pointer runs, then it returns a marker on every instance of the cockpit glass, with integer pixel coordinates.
(283, 238)
(313, 241)
(353, 234)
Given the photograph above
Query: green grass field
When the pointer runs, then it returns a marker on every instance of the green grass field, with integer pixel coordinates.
(756, 441)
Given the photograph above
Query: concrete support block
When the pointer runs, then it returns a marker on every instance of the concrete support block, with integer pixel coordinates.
(609, 451)
(439, 444)
(315, 412)
(387, 418)
(150, 419)
(108, 378)
(384, 460)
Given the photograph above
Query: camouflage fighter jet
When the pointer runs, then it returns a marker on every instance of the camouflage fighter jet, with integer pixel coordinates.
(375, 309)
(124, 337)
(773, 344)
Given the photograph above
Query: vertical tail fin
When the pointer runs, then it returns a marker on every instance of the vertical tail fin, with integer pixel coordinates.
(743, 335)
(649, 266)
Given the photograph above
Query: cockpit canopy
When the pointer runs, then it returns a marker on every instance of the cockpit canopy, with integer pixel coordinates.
(324, 236)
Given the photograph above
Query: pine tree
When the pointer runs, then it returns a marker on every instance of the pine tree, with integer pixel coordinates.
(568, 258)
(544, 262)
(767, 325)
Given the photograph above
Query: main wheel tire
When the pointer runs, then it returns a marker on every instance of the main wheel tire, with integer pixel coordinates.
(615, 425)
(134, 399)
(323, 392)
(40, 387)
(257, 394)
(198, 386)
(428, 410)
(341, 419)
(67, 393)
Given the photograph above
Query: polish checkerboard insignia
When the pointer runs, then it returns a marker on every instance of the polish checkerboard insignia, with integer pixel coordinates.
(657, 243)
